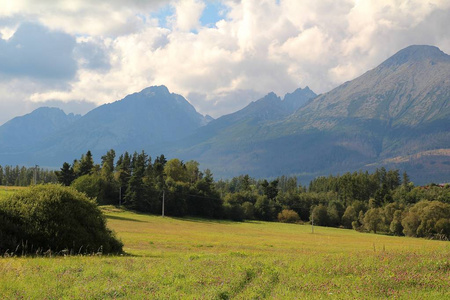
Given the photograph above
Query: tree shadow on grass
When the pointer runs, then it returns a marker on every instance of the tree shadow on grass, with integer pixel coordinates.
(124, 219)
(126, 254)
(215, 221)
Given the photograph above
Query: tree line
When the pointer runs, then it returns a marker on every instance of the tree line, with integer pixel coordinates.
(382, 201)
(139, 182)
(23, 176)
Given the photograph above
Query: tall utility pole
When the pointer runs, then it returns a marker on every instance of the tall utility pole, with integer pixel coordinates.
(163, 204)
(35, 173)
(120, 196)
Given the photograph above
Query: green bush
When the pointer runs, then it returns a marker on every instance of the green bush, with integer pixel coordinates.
(288, 216)
(428, 219)
(56, 218)
(249, 210)
(88, 184)
(234, 212)
(320, 215)
(96, 187)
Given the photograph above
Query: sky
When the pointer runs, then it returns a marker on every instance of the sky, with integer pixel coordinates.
(219, 54)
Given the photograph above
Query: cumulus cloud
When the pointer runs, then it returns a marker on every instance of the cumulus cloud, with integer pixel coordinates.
(112, 48)
(229, 101)
(187, 14)
(14, 100)
(35, 51)
(94, 18)
(92, 55)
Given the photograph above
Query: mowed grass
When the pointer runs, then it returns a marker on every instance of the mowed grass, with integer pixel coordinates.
(171, 258)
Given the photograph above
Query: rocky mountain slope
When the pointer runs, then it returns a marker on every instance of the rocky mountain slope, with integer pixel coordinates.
(410, 88)
(397, 110)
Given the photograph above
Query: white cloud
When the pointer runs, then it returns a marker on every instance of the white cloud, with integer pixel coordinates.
(187, 14)
(102, 17)
(258, 47)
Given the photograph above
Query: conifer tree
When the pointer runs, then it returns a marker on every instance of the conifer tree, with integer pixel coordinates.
(135, 193)
(108, 164)
(86, 164)
(66, 175)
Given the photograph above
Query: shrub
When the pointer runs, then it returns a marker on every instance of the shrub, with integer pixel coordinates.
(320, 216)
(249, 210)
(234, 212)
(288, 216)
(396, 227)
(349, 217)
(372, 219)
(443, 227)
(410, 224)
(88, 184)
(335, 210)
(94, 186)
(427, 219)
(53, 217)
(265, 209)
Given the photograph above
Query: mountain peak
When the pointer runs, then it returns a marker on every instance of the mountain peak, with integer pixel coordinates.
(270, 97)
(22, 132)
(416, 53)
(157, 90)
(47, 109)
(298, 98)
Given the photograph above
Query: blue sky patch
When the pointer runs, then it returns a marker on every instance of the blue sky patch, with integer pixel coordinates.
(213, 12)
(162, 14)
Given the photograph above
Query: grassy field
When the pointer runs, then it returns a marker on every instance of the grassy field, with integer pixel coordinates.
(8, 190)
(199, 259)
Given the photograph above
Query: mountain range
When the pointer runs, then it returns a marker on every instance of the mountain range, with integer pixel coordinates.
(396, 115)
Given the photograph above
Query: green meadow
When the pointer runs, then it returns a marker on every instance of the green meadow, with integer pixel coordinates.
(170, 258)
(8, 190)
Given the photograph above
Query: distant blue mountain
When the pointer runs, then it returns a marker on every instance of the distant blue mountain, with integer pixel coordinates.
(141, 120)
(22, 133)
(144, 120)
(396, 115)
(237, 125)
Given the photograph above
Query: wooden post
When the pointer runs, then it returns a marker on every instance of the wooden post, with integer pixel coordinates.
(163, 204)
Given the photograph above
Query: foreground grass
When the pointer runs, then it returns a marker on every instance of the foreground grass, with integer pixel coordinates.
(193, 258)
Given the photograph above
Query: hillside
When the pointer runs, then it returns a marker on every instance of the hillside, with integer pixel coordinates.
(23, 132)
(410, 88)
(143, 120)
(246, 121)
(400, 108)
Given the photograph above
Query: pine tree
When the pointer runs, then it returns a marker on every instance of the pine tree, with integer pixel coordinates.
(66, 175)
(86, 164)
(135, 193)
(405, 182)
(108, 165)
(123, 172)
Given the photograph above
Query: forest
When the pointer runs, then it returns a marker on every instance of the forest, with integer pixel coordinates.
(381, 202)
